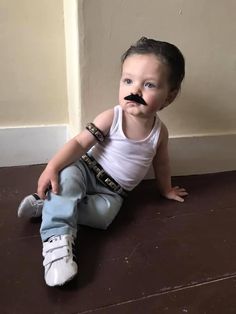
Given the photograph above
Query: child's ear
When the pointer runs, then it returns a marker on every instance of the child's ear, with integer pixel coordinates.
(171, 96)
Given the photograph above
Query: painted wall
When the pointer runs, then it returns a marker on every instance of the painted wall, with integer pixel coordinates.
(33, 88)
(32, 62)
(60, 67)
(203, 30)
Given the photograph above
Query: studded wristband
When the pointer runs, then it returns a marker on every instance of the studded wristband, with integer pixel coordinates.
(95, 131)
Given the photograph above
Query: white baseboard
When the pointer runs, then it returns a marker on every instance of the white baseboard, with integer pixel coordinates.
(31, 144)
(189, 154)
(201, 154)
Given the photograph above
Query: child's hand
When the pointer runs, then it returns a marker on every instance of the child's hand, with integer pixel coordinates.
(176, 193)
(48, 179)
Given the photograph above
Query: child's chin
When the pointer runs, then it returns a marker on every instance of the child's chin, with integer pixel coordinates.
(135, 109)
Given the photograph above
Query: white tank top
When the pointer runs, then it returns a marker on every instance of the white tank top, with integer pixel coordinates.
(125, 160)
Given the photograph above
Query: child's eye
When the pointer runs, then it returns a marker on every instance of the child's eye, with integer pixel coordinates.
(127, 81)
(149, 85)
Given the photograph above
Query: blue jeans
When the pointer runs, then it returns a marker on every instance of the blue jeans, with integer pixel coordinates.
(82, 200)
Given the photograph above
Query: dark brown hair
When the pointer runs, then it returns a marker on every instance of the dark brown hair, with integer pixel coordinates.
(164, 51)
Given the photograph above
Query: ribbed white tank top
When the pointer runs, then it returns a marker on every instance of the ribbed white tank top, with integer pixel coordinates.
(126, 160)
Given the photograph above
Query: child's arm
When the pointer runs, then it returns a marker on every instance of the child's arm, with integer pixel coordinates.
(161, 167)
(71, 152)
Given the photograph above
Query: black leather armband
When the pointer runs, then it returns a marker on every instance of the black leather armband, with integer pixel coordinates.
(95, 131)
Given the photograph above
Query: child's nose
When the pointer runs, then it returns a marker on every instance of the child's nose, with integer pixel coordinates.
(136, 90)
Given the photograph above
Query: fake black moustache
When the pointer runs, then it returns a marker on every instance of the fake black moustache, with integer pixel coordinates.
(136, 98)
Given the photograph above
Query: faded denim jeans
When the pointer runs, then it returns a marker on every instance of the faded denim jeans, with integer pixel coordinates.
(82, 199)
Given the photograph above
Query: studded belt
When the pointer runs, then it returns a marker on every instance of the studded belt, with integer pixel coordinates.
(103, 176)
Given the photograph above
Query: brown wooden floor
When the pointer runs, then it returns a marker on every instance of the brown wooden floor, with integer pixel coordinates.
(159, 256)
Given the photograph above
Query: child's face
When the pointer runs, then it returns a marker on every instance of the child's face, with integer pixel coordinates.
(146, 76)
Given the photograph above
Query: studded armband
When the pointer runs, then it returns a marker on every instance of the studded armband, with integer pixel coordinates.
(95, 131)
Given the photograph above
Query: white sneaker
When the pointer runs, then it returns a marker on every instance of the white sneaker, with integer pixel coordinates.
(31, 206)
(58, 263)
